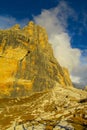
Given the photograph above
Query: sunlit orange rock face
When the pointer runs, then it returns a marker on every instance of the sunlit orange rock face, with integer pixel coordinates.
(27, 63)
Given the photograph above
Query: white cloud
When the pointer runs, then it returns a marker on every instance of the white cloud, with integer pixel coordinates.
(55, 22)
(75, 79)
(8, 21)
(80, 74)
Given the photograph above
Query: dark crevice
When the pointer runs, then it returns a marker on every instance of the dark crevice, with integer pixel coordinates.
(83, 100)
(28, 52)
(52, 62)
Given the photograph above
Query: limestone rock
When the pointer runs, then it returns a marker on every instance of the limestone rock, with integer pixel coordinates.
(27, 63)
(85, 88)
(45, 110)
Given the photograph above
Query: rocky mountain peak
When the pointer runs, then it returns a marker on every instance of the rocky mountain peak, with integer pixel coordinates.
(27, 63)
(35, 91)
(15, 27)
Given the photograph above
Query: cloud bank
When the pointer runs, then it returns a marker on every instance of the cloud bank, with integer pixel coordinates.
(79, 74)
(55, 22)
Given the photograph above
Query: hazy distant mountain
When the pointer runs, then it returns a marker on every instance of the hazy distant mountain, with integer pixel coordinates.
(78, 85)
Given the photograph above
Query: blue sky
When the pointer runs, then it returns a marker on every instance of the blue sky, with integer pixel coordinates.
(68, 23)
(25, 9)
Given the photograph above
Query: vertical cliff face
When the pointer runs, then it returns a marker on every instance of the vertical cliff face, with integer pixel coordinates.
(27, 63)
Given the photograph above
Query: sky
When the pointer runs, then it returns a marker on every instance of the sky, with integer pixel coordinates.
(66, 25)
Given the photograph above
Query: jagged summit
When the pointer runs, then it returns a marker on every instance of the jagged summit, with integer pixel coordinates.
(27, 63)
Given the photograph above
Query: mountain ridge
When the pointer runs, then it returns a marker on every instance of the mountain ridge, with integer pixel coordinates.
(27, 62)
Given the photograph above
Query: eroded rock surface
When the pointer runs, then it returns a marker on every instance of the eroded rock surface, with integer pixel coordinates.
(27, 63)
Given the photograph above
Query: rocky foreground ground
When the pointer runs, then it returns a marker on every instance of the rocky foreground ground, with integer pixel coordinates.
(56, 109)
